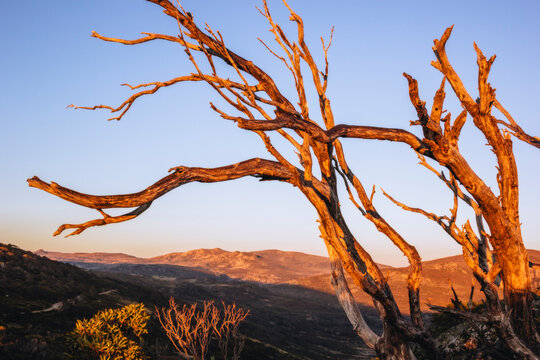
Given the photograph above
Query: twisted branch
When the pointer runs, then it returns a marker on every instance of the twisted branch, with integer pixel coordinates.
(181, 175)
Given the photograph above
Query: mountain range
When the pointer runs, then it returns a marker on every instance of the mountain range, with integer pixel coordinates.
(286, 267)
(266, 266)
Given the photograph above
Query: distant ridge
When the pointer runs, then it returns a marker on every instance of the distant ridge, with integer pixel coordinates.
(266, 266)
(97, 257)
(41, 300)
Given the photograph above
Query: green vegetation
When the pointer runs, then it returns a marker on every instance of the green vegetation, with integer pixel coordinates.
(112, 334)
(41, 299)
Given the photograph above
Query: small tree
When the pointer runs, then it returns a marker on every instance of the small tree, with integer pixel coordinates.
(190, 330)
(112, 334)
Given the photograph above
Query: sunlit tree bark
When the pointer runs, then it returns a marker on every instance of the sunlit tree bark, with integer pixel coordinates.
(257, 104)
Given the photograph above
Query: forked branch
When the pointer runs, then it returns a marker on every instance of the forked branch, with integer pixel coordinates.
(107, 219)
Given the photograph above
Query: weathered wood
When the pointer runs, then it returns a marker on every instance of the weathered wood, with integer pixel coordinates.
(253, 92)
(347, 301)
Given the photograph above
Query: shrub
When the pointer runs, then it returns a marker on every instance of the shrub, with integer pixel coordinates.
(112, 334)
(190, 329)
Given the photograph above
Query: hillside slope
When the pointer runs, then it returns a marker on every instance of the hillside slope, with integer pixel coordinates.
(285, 322)
(437, 276)
(40, 300)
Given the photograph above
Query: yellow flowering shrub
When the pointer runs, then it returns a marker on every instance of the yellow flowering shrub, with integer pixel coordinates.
(112, 334)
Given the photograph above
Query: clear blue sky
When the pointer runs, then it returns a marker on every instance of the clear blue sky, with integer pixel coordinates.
(49, 61)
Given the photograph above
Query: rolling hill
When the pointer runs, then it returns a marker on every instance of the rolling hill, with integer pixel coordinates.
(267, 266)
(437, 277)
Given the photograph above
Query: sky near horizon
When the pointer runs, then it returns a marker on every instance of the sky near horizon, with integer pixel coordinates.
(50, 61)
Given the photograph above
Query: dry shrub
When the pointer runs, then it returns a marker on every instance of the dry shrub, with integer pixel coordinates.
(190, 329)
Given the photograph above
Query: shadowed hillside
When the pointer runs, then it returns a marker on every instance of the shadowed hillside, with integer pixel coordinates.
(45, 297)
(274, 266)
(437, 275)
(40, 300)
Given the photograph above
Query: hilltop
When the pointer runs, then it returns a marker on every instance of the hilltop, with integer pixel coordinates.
(267, 266)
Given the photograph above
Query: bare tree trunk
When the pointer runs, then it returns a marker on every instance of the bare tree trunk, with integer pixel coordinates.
(397, 333)
(514, 262)
(347, 301)
(522, 321)
(391, 345)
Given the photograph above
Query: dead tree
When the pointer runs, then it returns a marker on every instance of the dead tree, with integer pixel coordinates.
(501, 250)
(257, 104)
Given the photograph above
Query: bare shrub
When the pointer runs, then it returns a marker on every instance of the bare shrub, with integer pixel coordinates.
(190, 330)
(231, 342)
